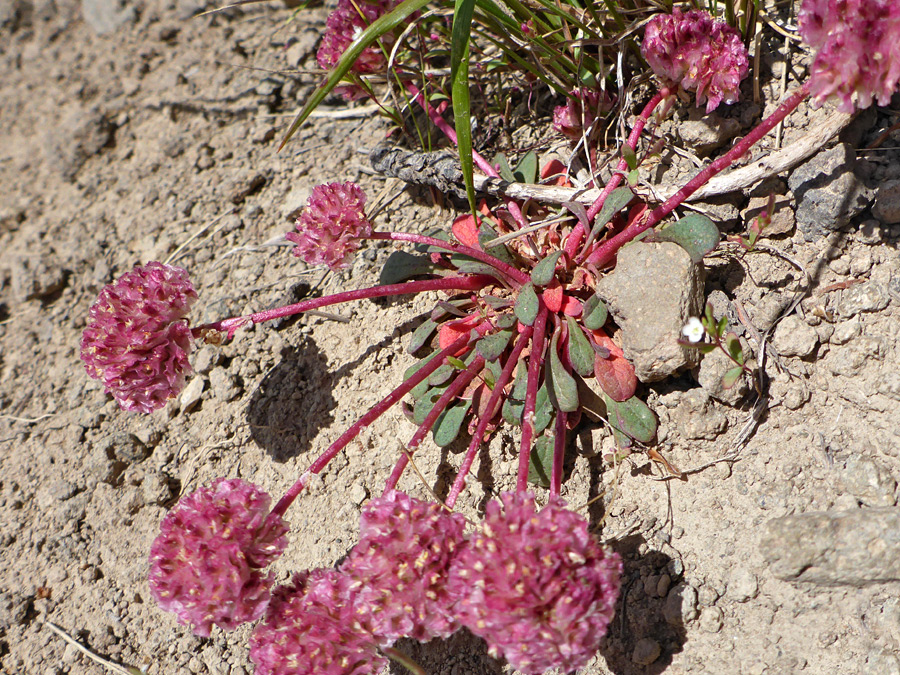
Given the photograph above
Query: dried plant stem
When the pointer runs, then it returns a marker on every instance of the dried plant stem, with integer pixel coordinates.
(489, 411)
(230, 326)
(535, 361)
(606, 251)
(374, 413)
(461, 382)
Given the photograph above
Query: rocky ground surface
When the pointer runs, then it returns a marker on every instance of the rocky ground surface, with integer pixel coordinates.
(139, 131)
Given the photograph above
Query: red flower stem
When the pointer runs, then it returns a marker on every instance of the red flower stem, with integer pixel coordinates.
(450, 133)
(461, 382)
(496, 394)
(535, 361)
(633, 138)
(604, 253)
(515, 275)
(459, 283)
(559, 453)
(374, 413)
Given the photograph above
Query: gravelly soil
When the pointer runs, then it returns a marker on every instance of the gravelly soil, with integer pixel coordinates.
(156, 140)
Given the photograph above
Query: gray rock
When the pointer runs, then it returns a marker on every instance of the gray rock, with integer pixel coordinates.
(107, 16)
(827, 191)
(711, 620)
(191, 394)
(128, 448)
(742, 585)
(887, 203)
(223, 384)
(835, 548)
(866, 297)
(696, 418)
(206, 358)
(63, 490)
(155, 488)
(712, 369)
(681, 605)
(36, 278)
(782, 214)
(870, 482)
(794, 337)
(889, 384)
(651, 293)
(704, 133)
(646, 651)
(846, 331)
(881, 663)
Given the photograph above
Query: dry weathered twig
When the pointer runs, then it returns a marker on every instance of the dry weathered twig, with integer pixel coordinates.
(442, 171)
(109, 665)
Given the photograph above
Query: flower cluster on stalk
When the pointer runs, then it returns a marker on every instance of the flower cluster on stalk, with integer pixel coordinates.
(857, 45)
(137, 341)
(698, 52)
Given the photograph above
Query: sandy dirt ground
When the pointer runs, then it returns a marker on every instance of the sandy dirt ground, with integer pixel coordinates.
(134, 132)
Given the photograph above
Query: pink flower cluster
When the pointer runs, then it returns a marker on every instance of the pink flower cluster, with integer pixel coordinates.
(343, 25)
(698, 52)
(536, 585)
(581, 109)
(312, 627)
(137, 341)
(328, 231)
(206, 564)
(857, 45)
(401, 564)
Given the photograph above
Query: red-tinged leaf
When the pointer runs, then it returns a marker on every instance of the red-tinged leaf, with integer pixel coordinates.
(451, 331)
(465, 230)
(555, 168)
(615, 374)
(571, 306)
(731, 377)
(553, 296)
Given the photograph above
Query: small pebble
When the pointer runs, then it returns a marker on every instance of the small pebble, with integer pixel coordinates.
(646, 651)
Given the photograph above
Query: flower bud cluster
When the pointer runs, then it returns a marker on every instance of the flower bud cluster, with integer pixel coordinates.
(857, 45)
(700, 53)
(137, 341)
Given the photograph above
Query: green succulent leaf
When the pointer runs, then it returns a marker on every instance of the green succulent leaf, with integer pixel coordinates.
(526, 170)
(731, 377)
(467, 265)
(544, 272)
(503, 169)
(421, 335)
(594, 313)
(735, 350)
(695, 233)
(492, 346)
(562, 387)
(630, 156)
(424, 404)
(630, 420)
(507, 320)
(581, 354)
(617, 200)
(527, 305)
(486, 233)
(449, 424)
(402, 266)
(540, 462)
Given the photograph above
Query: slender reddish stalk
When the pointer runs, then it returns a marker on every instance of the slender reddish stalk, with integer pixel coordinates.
(573, 241)
(535, 361)
(484, 420)
(604, 253)
(460, 283)
(461, 382)
(559, 453)
(515, 275)
(374, 413)
(450, 133)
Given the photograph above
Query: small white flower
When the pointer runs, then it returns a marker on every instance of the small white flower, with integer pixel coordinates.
(693, 330)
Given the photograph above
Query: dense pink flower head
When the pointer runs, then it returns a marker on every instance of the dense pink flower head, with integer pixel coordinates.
(536, 585)
(311, 627)
(698, 52)
(342, 27)
(582, 107)
(206, 564)
(328, 231)
(857, 45)
(136, 341)
(401, 564)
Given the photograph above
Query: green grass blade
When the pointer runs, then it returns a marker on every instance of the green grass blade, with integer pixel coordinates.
(383, 25)
(459, 75)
